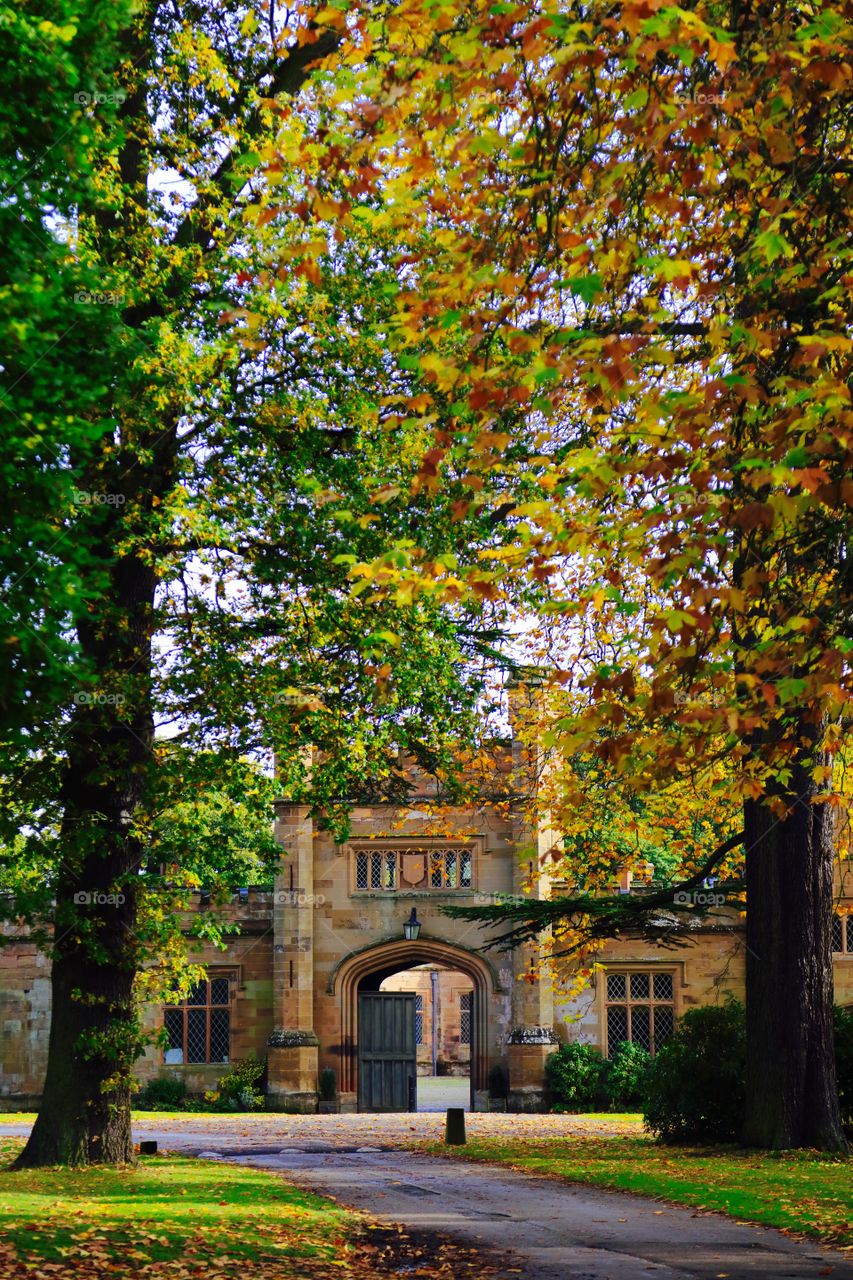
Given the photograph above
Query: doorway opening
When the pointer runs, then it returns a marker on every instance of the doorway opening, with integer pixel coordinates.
(444, 1032)
(379, 1049)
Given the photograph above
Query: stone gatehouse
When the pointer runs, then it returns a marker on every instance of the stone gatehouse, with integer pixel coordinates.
(325, 951)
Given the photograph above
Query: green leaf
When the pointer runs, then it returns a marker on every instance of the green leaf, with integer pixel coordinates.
(789, 688)
(773, 246)
(586, 287)
(797, 457)
(389, 637)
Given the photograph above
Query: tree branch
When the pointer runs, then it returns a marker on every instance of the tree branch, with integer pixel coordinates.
(603, 917)
(287, 77)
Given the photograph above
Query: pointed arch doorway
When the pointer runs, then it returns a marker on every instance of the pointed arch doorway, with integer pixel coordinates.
(379, 1050)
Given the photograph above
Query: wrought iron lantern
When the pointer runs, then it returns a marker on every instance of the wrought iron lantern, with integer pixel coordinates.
(411, 927)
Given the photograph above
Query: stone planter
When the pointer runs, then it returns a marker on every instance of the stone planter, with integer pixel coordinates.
(497, 1104)
(329, 1108)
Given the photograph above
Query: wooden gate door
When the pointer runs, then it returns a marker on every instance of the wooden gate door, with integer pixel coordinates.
(387, 1055)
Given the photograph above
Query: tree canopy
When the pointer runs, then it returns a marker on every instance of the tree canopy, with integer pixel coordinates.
(639, 224)
(192, 517)
(398, 317)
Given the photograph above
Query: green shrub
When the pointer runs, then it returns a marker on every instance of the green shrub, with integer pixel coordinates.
(624, 1080)
(695, 1084)
(237, 1090)
(574, 1076)
(498, 1083)
(163, 1093)
(844, 1060)
(328, 1085)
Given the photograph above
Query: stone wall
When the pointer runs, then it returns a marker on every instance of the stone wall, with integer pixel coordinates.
(25, 1006)
(710, 965)
(346, 920)
(304, 951)
(249, 955)
(24, 1024)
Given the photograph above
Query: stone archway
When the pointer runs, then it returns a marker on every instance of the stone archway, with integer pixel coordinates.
(391, 956)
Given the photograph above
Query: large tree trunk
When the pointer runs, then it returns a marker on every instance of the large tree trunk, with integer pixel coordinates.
(791, 1093)
(81, 1121)
(94, 1041)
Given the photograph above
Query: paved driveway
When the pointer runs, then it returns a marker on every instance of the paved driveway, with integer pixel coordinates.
(556, 1231)
(192, 1132)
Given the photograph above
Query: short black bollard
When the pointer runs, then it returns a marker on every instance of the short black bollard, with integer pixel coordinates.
(455, 1132)
(148, 1148)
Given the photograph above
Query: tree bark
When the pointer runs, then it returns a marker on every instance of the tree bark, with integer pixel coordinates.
(80, 1121)
(791, 1092)
(85, 1112)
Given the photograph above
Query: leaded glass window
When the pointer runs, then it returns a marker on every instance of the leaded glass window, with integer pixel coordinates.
(466, 1002)
(842, 934)
(409, 868)
(640, 1008)
(199, 1028)
(375, 870)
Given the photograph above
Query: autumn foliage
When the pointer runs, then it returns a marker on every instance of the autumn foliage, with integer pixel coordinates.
(427, 322)
(625, 307)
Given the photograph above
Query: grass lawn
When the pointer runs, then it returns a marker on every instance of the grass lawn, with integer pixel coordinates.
(796, 1191)
(175, 1218)
(170, 1215)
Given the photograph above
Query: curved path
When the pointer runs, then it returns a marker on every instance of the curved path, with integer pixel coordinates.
(554, 1230)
